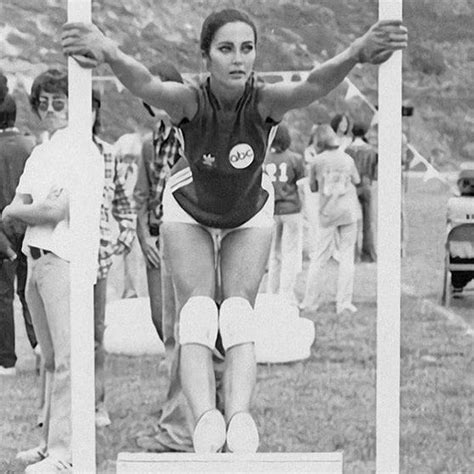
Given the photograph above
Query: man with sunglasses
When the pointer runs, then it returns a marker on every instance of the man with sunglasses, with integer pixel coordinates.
(42, 203)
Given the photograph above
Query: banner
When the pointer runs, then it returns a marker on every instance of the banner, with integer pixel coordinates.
(431, 171)
(352, 91)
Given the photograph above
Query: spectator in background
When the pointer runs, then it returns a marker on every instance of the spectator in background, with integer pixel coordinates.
(42, 203)
(116, 203)
(342, 125)
(285, 170)
(334, 174)
(128, 149)
(311, 199)
(161, 150)
(465, 250)
(15, 148)
(365, 159)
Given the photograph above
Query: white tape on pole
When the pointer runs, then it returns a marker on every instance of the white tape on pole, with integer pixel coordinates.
(82, 318)
(389, 253)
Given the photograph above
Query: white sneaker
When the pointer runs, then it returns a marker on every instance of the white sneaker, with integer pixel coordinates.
(49, 465)
(7, 370)
(102, 418)
(209, 433)
(31, 455)
(242, 434)
(347, 307)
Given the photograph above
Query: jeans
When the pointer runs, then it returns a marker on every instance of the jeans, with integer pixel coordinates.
(8, 270)
(48, 296)
(175, 424)
(285, 255)
(100, 296)
(131, 267)
(367, 253)
(347, 235)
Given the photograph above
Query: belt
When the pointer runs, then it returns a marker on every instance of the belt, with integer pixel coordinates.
(36, 252)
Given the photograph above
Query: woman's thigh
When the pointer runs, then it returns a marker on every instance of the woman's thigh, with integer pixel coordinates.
(244, 255)
(188, 252)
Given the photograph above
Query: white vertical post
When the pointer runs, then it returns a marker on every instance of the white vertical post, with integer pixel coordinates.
(82, 316)
(389, 248)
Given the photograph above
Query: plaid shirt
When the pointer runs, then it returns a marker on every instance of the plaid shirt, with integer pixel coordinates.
(365, 159)
(115, 203)
(160, 152)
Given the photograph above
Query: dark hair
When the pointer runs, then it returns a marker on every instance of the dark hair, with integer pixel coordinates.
(337, 119)
(217, 20)
(7, 112)
(326, 138)
(3, 87)
(167, 72)
(282, 140)
(96, 103)
(51, 81)
(359, 130)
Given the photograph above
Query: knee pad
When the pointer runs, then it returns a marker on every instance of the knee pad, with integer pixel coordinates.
(198, 322)
(236, 322)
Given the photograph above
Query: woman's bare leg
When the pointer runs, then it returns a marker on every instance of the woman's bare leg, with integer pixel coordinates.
(189, 256)
(244, 255)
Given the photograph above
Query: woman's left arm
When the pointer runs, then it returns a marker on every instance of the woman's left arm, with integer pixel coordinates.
(374, 47)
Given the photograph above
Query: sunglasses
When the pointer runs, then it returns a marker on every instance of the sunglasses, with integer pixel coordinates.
(58, 105)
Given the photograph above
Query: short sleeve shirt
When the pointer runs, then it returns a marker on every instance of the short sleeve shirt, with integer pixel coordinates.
(285, 170)
(60, 162)
(336, 174)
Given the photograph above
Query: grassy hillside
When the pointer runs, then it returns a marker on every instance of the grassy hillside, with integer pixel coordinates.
(438, 66)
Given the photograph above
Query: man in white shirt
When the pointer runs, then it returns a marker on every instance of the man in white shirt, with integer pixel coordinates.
(51, 179)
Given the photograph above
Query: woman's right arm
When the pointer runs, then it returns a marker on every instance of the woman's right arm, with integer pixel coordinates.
(90, 47)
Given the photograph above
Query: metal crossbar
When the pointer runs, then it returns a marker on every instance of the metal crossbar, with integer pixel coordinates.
(128, 463)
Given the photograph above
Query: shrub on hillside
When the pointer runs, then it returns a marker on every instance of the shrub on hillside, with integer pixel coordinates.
(467, 151)
(427, 59)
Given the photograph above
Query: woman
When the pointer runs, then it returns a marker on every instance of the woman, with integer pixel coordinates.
(218, 209)
(311, 199)
(342, 125)
(335, 175)
(286, 170)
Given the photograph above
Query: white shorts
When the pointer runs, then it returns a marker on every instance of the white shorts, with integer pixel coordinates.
(173, 212)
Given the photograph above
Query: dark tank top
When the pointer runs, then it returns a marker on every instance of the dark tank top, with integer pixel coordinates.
(219, 181)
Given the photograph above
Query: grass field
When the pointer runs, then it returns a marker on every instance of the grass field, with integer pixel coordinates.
(326, 402)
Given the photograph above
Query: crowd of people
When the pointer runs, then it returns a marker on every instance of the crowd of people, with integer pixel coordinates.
(215, 199)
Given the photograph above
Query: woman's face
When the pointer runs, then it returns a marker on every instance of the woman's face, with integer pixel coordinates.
(343, 126)
(232, 54)
(53, 110)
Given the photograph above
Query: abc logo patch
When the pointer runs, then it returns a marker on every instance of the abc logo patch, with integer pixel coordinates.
(241, 155)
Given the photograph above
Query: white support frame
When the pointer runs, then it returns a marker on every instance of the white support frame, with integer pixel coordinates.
(388, 295)
(389, 254)
(82, 314)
